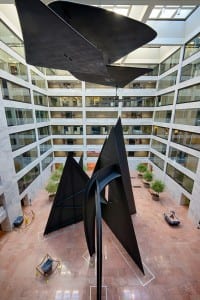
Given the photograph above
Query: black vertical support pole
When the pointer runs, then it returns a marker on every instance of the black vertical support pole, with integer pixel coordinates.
(99, 241)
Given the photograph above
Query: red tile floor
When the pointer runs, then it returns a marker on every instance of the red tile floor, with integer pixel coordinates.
(170, 256)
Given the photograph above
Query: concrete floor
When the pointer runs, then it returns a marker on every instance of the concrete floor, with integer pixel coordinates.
(170, 257)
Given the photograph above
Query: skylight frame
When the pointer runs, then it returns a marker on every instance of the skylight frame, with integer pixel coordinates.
(174, 17)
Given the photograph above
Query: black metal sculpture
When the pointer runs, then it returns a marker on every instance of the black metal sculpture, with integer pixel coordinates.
(82, 39)
(68, 202)
(79, 197)
(111, 170)
(114, 152)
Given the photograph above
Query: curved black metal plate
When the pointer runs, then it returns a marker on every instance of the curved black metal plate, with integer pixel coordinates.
(116, 75)
(67, 208)
(114, 34)
(64, 38)
(50, 42)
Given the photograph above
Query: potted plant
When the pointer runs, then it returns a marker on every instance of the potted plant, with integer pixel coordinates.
(51, 188)
(141, 168)
(147, 178)
(157, 187)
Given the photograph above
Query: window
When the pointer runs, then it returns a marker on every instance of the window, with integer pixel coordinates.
(192, 46)
(180, 178)
(190, 94)
(18, 116)
(21, 139)
(15, 92)
(27, 179)
(24, 159)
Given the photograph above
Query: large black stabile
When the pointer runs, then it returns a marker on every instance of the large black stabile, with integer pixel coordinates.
(61, 36)
(68, 202)
(114, 152)
(115, 212)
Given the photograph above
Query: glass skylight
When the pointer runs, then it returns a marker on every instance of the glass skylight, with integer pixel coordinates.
(172, 12)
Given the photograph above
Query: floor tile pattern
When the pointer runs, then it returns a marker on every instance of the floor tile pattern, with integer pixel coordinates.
(170, 256)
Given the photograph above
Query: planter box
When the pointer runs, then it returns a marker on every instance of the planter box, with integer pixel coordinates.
(155, 196)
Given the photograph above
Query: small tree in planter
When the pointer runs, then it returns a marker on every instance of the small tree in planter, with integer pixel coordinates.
(141, 168)
(157, 187)
(147, 177)
(51, 188)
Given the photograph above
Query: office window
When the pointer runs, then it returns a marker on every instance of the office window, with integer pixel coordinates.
(138, 101)
(63, 84)
(98, 130)
(192, 47)
(18, 116)
(163, 116)
(15, 92)
(42, 116)
(161, 132)
(180, 178)
(65, 141)
(11, 65)
(170, 62)
(24, 159)
(189, 94)
(191, 70)
(8, 37)
(43, 132)
(67, 130)
(158, 146)
(40, 99)
(101, 101)
(46, 161)
(139, 141)
(27, 179)
(65, 101)
(21, 139)
(167, 81)
(184, 159)
(44, 147)
(141, 85)
(38, 80)
(137, 129)
(187, 116)
(157, 160)
(185, 138)
(166, 99)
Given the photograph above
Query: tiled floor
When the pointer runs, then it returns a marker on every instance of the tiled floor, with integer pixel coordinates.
(170, 256)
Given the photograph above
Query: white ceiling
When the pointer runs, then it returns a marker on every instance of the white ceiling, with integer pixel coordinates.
(171, 32)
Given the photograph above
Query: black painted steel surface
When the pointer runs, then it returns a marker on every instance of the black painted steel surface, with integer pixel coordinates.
(82, 39)
(67, 207)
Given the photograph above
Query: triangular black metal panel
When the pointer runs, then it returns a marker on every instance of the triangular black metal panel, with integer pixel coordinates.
(116, 75)
(114, 34)
(60, 47)
(81, 161)
(73, 44)
(114, 152)
(116, 215)
(67, 206)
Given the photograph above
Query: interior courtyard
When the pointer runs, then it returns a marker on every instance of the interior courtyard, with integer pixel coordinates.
(47, 114)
